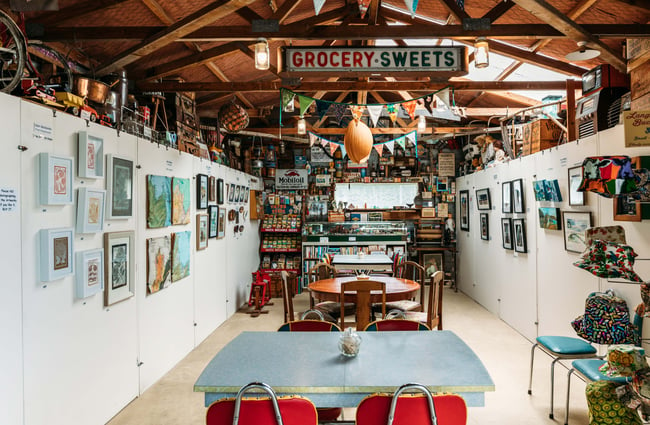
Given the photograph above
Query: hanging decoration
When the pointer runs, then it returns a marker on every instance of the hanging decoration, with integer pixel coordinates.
(411, 5)
(305, 103)
(321, 108)
(375, 112)
(363, 7)
(233, 117)
(358, 141)
(318, 5)
(357, 111)
(339, 111)
(332, 145)
(379, 148)
(287, 98)
(409, 107)
(428, 102)
(312, 139)
(392, 111)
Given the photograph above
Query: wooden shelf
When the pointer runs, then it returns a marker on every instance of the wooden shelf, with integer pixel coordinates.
(280, 230)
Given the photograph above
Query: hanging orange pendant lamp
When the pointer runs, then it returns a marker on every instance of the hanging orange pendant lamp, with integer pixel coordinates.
(358, 141)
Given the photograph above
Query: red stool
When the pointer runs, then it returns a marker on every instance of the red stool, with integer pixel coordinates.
(260, 293)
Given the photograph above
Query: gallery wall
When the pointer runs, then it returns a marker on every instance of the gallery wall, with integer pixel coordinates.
(540, 292)
(69, 360)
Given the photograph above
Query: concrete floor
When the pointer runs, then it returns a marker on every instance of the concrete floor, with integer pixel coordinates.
(505, 353)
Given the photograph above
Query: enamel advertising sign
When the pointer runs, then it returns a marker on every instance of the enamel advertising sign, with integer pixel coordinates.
(443, 61)
(291, 179)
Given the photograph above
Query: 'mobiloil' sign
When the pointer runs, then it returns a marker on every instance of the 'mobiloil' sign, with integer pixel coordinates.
(445, 60)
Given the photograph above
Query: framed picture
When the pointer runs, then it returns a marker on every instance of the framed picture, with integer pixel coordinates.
(119, 186)
(55, 179)
(213, 220)
(518, 196)
(212, 189)
(539, 187)
(180, 255)
(575, 178)
(56, 253)
(90, 156)
(237, 190)
(201, 231)
(553, 193)
(221, 226)
(180, 200)
(242, 194)
(485, 230)
(483, 199)
(549, 218)
(432, 263)
(159, 201)
(464, 210)
(246, 194)
(159, 263)
(89, 273)
(220, 191)
(506, 233)
(201, 191)
(575, 224)
(119, 260)
(506, 197)
(90, 210)
(519, 231)
(231, 192)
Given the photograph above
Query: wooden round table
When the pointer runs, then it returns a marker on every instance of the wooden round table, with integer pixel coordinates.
(396, 289)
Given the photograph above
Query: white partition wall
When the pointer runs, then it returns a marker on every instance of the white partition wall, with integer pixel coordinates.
(68, 360)
(541, 292)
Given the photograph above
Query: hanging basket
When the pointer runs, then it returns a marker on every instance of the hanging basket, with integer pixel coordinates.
(358, 141)
(233, 117)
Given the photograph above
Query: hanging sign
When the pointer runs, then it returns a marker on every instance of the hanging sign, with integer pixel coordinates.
(443, 61)
(637, 128)
(447, 164)
(291, 178)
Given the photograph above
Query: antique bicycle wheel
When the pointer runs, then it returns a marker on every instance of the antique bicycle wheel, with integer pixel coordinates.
(12, 53)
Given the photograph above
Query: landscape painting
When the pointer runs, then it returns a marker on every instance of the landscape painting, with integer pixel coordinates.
(180, 201)
(180, 255)
(549, 218)
(159, 201)
(158, 264)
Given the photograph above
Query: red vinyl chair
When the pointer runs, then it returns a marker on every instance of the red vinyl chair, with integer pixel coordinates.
(412, 409)
(308, 325)
(265, 410)
(396, 325)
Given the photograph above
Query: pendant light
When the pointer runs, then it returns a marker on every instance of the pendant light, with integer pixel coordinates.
(262, 56)
(582, 54)
(481, 53)
(422, 124)
(301, 128)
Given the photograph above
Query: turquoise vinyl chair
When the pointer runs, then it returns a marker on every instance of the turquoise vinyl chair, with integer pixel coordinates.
(588, 369)
(559, 348)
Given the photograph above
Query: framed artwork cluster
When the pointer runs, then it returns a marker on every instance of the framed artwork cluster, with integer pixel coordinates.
(119, 258)
(237, 194)
(483, 199)
(513, 230)
(512, 197)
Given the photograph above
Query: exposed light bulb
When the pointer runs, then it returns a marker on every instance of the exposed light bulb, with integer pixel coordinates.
(481, 53)
(422, 124)
(301, 128)
(262, 54)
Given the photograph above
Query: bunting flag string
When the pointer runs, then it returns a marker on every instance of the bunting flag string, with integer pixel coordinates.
(363, 7)
(318, 4)
(333, 145)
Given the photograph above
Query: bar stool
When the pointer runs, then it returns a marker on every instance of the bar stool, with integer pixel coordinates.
(559, 348)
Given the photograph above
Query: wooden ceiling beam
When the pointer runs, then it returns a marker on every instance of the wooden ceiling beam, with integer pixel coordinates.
(341, 86)
(531, 57)
(373, 12)
(549, 14)
(641, 4)
(351, 32)
(75, 11)
(499, 10)
(204, 16)
(455, 10)
(285, 10)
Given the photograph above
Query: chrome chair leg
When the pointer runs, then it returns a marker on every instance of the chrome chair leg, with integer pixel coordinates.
(568, 394)
(532, 358)
(550, 415)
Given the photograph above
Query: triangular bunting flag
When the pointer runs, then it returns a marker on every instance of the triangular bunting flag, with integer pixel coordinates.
(379, 148)
(324, 143)
(411, 137)
(363, 7)
(444, 96)
(409, 107)
(357, 111)
(312, 139)
(411, 5)
(392, 111)
(390, 146)
(374, 111)
(343, 152)
(401, 142)
(339, 111)
(318, 4)
(428, 102)
(321, 107)
(333, 147)
(305, 103)
(287, 98)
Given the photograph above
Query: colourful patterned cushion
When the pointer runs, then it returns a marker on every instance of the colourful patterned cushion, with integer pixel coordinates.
(606, 408)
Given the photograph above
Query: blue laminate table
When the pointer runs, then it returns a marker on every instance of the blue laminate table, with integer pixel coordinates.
(309, 364)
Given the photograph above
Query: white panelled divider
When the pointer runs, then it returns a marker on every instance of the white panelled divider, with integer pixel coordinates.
(66, 360)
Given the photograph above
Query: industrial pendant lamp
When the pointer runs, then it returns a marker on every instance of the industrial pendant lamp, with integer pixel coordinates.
(301, 128)
(582, 54)
(481, 53)
(422, 124)
(262, 56)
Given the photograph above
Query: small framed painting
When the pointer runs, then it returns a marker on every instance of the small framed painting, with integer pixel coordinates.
(119, 260)
(180, 200)
(506, 197)
(575, 224)
(159, 201)
(201, 191)
(90, 156)
(212, 189)
(506, 233)
(483, 199)
(464, 210)
(246, 194)
(90, 210)
(89, 273)
(220, 191)
(213, 221)
(221, 226)
(159, 263)
(519, 230)
(237, 190)
(181, 250)
(201, 231)
(575, 178)
(119, 186)
(549, 218)
(56, 253)
(485, 230)
(518, 196)
(231, 192)
(55, 179)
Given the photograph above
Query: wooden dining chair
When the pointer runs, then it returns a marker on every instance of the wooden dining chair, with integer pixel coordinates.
(362, 288)
(421, 408)
(396, 325)
(433, 316)
(321, 271)
(412, 271)
(289, 282)
(266, 410)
